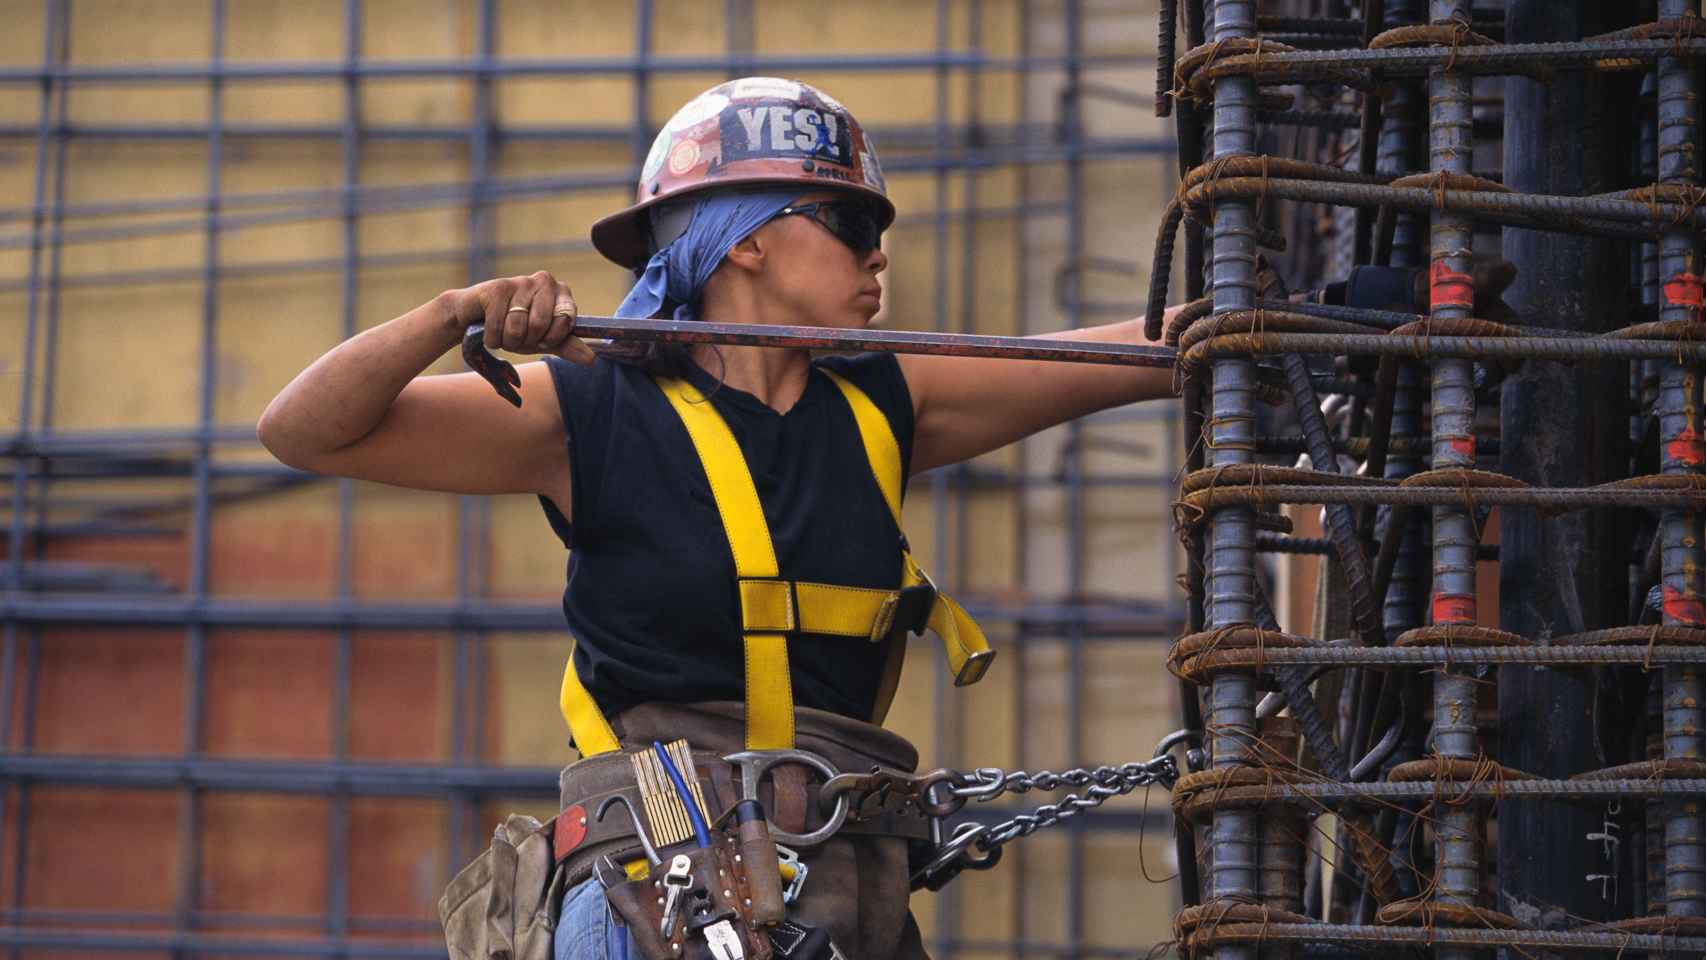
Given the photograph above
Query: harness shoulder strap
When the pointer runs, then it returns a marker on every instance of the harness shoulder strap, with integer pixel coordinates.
(882, 450)
(769, 690)
(968, 650)
(587, 725)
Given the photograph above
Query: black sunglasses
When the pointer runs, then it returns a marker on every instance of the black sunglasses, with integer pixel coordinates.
(853, 223)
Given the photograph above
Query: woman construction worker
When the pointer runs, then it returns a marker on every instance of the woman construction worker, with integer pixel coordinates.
(738, 577)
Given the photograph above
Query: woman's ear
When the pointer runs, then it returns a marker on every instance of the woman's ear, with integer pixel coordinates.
(749, 253)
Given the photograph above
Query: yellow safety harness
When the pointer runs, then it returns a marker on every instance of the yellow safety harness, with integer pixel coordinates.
(772, 608)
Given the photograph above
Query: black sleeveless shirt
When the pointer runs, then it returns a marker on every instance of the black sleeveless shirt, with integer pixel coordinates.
(651, 596)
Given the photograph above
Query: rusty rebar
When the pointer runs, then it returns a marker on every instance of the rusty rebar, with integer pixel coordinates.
(1341, 522)
(890, 341)
(1308, 66)
(1218, 340)
(1681, 454)
(1376, 936)
(1233, 867)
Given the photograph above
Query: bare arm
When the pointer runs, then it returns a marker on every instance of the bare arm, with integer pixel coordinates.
(363, 410)
(966, 406)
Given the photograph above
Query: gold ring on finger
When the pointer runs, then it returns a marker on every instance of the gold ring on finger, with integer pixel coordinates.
(517, 310)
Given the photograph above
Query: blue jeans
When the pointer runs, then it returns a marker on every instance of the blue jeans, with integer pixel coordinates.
(585, 930)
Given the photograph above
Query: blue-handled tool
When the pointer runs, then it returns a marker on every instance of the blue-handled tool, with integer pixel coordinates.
(695, 816)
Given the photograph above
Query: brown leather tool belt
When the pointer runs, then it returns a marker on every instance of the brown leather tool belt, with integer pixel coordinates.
(789, 790)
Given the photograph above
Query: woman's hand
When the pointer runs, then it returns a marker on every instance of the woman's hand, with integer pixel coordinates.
(524, 315)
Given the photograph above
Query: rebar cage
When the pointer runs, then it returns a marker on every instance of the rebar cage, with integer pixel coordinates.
(1451, 761)
(273, 713)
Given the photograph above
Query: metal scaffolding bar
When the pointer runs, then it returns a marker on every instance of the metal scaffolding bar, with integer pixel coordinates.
(488, 67)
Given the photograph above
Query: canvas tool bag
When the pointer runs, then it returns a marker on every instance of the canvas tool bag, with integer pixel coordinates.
(503, 906)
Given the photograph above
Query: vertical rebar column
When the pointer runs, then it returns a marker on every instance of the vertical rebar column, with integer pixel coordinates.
(1644, 379)
(1191, 843)
(1282, 834)
(1402, 132)
(1400, 142)
(1457, 869)
(1680, 452)
(1231, 427)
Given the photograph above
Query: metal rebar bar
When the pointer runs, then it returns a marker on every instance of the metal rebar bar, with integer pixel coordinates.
(940, 343)
(1231, 586)
(1680, 446)
(1451, 149)
(1563, 655)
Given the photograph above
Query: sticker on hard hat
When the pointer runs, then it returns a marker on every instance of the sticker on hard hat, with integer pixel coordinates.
(752, 88)
(654, 159)
(769, 131)
(873, 170)
(683, 156)
(698, 110)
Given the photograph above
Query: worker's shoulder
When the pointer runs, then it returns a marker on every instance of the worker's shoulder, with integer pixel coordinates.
(591, 383)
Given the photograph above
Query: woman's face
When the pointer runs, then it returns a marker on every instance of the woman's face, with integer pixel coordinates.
(817, 278)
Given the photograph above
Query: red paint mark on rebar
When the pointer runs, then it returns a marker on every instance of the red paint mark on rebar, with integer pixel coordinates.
(1685, 290)
(570, 831)
(1448, 288)
(1684, 607)
(1687, 448)
(1454, 608)
(1463, 446)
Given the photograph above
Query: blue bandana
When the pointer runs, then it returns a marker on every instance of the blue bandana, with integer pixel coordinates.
(678, 273)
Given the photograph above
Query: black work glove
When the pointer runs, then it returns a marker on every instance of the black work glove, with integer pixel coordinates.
(1405, 289)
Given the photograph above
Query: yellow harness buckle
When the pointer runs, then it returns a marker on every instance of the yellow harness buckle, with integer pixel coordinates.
(768, 606)
(974, 668)
(907, 610)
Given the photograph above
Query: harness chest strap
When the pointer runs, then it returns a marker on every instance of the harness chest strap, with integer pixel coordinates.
(772, 607)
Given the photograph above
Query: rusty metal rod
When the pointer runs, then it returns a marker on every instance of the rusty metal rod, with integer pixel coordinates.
(1599, 55)
(1474, 348)
(1453, 791)
(1345, 654)
(887, 341)
(1268, 543)
(1341, 520)
(1560, 499)
(503, 378)
(1608, 941)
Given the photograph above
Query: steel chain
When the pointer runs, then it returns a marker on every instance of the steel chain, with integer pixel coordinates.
(978, 847)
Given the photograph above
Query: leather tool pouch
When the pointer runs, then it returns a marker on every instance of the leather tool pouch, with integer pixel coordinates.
(505, 903)
(717, 892)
